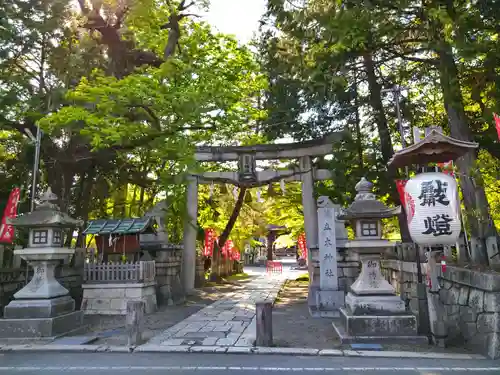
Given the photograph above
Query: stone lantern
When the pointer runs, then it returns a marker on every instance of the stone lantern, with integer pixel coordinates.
(43, 307)
(373, 310)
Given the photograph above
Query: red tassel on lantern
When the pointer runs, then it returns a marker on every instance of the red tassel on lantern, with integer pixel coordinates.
(443, 264)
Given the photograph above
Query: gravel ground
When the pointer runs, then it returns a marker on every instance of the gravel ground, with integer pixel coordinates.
(294, 327)
(292, 324)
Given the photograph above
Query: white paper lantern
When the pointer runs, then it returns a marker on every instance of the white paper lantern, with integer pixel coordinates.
(433, 209)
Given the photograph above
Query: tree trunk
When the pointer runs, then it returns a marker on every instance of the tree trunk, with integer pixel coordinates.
(376, 104)
(475, 201)
(357, 125)
(60, 177)
(385, 138)
(120, 200)
(232, 219)
(83, 207)
(132, 209)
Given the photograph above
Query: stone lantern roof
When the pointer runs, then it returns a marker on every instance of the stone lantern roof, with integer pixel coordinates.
(366, 206)
(434, 148)
(46, 214)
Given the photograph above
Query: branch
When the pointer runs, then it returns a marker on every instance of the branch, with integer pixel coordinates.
(393, 42)
(295, 6)
(156, 121)
(184, 7)
(138, 178)
(120, 15)
(32, 75)
(433, 62)
(138, 142)
(133, 144)
(175, 31)
(18, 126)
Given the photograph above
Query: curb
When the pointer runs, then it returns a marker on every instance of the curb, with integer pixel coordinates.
(65, 348)
(152, 348)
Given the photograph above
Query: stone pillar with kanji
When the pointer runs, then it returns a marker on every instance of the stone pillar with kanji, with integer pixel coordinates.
(328, 297)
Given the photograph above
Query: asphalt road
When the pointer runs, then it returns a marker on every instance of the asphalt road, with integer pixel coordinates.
(45, 363)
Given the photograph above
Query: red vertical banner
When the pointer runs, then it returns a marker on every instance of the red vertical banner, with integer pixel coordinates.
(400, 185)
(235, 254)
(497, 124)
(227, 248)
(6, 230)
(301, 242)
(208, 250)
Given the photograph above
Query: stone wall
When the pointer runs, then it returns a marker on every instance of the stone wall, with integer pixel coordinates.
(403, 277)
(168, 282)
(199, 280)
(471, 301)
(72, 279)
(348, 268)
(464, 309)
(111, 299)
(11, 280)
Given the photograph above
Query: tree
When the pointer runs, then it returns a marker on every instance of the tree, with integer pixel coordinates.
(328, 60)
(119, 111)
(377, 44)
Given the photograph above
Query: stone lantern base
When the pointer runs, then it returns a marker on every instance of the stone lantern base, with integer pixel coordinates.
(377, 328)
(373, 312)
(39, 308)
(50, 327)
(43, 308)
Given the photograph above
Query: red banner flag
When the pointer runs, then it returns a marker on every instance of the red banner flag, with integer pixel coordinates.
(235, 255)
(6, 230)
(208, 250)
(400, 185)
(301, 242)
(497, 124)
(227, 248)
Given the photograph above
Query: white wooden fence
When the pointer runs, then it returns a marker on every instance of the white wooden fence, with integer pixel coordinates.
(137, 272)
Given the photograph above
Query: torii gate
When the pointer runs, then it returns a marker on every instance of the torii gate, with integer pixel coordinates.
(247, 176)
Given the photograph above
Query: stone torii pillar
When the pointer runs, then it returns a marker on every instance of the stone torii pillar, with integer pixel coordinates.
(309, 208)
(246, 156)
(189, 241)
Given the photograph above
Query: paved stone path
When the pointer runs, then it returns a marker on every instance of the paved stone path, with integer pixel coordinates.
(227, 322)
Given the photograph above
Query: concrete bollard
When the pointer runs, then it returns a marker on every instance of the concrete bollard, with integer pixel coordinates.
(135, 322)
(264, 323)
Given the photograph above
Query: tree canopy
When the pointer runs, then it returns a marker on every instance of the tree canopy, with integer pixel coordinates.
(124, 90)
(332, 64)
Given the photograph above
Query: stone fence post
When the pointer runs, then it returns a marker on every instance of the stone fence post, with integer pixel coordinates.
(264, 323)
(135, 322)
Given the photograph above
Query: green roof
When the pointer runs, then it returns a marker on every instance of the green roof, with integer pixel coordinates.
(118, 226)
